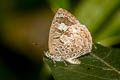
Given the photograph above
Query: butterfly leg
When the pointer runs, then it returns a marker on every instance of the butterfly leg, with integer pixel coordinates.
(54, 63)
(73, 61)
(65, 63)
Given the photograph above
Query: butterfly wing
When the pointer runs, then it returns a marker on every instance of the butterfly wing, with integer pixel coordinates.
(62, 16)
(64, 29)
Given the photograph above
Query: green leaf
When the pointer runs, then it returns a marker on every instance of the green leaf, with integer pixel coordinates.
(112, 29)
(93, 13)
(102, 64)
(110, 41)
(55, 4)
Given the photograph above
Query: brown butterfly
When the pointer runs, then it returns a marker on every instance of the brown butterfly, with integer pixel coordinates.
(68, 39)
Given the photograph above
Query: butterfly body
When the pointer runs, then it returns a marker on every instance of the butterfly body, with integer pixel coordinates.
(68, 39)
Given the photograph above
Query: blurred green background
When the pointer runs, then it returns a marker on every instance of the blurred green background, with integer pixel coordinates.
(23, 22)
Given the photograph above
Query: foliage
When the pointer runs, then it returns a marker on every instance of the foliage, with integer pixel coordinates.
(101, 64)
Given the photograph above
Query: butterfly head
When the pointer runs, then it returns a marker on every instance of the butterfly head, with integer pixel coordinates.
(48, 54)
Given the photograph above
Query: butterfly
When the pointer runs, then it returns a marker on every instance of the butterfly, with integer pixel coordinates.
(68, 39)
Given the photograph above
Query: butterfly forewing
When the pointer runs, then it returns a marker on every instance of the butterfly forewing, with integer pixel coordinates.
(67, 37)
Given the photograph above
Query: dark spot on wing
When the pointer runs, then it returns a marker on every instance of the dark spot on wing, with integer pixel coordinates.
(64, 20)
